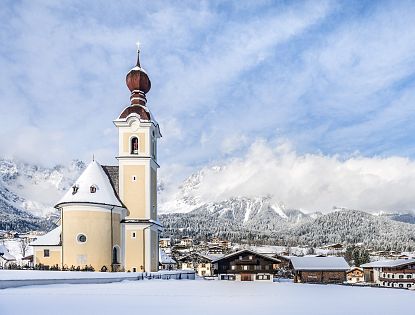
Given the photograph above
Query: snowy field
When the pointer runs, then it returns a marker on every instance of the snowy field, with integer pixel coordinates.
(39, 274)
(204, 297)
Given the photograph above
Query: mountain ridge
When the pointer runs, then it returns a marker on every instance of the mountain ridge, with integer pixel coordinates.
(27, 193)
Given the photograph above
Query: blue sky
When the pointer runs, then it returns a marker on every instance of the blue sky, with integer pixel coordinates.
(323, 77)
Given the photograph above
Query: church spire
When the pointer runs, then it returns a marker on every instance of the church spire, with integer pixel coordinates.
(138, 82)
(138, 55)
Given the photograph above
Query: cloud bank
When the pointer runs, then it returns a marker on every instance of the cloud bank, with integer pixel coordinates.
(312, 182)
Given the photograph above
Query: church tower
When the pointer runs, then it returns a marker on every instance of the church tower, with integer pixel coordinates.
(138, 132)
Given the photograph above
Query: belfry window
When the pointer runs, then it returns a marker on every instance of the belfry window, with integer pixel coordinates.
(93, 189)
(134, 145)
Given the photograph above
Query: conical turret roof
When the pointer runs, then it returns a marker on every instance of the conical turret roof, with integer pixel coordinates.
(93, 186)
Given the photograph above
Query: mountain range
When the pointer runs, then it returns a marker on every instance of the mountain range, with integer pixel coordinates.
(28, 193)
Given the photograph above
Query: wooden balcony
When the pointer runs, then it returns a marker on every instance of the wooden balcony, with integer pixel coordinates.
(246, 262)
(397, 280)
(405, 271)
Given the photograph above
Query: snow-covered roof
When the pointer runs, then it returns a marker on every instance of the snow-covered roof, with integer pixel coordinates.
(52, 238)
(93, 175)
(164, 258)
(388, 263)
(319, 263)
(247, 251)
(4, 253)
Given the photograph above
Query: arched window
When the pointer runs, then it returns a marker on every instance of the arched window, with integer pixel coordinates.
(115, 255)
(93, 189)
(134, 145)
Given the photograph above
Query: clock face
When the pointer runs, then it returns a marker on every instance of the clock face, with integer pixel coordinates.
(135, 125)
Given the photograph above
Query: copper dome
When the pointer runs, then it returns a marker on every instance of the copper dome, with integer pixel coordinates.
(145, 115)
(137, 79)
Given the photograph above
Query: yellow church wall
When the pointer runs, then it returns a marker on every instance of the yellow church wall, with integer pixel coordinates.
(153, 194)
(142, 142)
(96, 225)
(55, 255)
(134, 192)
(134, 248)
(154, 251)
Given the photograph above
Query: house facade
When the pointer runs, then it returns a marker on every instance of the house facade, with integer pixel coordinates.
(355, 275)
(201, 264)
(109, 216)
(246, 265)
(399, 273)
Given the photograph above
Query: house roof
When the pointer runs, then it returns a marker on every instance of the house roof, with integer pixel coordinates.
(191, 256)
(4, 253)
(354, 268)
(250, 252)
(93, 175)
(53, 238)
(388, 263)
(164, 258)
(319, 263)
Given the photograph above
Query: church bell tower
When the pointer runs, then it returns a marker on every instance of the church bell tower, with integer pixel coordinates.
(138, 133)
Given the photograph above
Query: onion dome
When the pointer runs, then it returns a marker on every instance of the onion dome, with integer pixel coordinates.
(138, 82)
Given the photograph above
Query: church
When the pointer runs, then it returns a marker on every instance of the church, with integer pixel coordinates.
(108, 218)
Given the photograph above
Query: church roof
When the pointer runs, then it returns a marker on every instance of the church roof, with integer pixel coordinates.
(94, 186)
(53, 238)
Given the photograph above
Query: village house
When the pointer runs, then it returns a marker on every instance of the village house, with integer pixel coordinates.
(108, 218)
(246, 265)
(399, 273)
(285, 260)
(165, 242)
(215, 250)
(5, 257)
(198, 262)
(166, 262)
(319, 269)
(186, 242)
(355, 275)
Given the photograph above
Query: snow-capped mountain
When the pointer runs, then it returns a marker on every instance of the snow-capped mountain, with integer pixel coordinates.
(28, 193)
(262, 220)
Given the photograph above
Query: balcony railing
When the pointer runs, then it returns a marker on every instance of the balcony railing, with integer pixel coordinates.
(397, 280)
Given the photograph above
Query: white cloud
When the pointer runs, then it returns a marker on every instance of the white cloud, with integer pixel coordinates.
(312, 182)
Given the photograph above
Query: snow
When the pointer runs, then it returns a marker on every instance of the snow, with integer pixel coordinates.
(279, 209)
(4, 253)
(14, 246)
(93, 175)
(51, 238)
(40, 274)
(204, 297)
(319, 263)
(165, 259)
(246, 251)
(388, 263)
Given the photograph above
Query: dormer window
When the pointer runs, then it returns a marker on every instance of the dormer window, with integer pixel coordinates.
(134, 145)
(74, 189)
(93, 189)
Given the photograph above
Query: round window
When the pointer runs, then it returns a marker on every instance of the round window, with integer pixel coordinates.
(81, 238)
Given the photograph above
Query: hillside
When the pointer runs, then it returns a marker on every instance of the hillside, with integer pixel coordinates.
(348, 226)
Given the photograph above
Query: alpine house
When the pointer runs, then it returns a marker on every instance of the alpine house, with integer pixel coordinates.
(109, 216)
